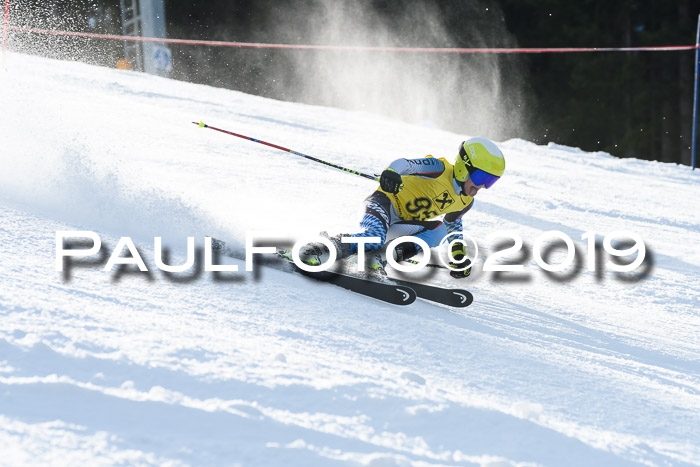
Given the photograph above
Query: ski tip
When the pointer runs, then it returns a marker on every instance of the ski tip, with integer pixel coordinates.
(408, 295)
(464, 298)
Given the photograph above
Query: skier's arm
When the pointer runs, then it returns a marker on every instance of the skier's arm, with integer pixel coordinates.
(454, 219)
(429, 167)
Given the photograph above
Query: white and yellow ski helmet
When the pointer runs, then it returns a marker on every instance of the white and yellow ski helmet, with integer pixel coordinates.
(480, 160)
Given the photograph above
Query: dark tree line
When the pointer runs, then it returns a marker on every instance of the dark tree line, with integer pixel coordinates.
(631, 104)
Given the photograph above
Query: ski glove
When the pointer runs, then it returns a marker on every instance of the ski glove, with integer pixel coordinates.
(390, 181)
(458, 254)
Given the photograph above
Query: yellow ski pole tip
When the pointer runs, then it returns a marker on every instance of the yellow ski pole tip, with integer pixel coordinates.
(201, 124)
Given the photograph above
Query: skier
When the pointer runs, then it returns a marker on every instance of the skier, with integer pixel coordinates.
(411, 194)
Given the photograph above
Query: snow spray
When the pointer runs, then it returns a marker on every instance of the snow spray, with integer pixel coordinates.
(6, 26)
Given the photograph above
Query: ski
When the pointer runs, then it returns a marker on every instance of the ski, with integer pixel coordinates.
(396, 291)
(458, 298)
(384, 291)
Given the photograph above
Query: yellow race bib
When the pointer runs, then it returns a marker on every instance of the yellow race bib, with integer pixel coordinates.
(425, 198)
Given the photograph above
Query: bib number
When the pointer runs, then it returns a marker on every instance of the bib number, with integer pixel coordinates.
(419, 209)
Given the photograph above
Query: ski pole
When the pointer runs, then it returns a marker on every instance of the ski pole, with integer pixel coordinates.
(355, 172)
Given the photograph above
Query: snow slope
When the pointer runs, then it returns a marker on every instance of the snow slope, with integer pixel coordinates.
(574, 368)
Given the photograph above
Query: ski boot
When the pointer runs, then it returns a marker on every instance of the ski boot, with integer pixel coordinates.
(317, 253)
(405, 251)
(375, 265)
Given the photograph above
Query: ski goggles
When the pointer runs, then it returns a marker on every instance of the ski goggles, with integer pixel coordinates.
(479, 177)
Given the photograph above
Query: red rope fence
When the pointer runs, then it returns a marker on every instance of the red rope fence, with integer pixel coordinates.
(663, 48)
